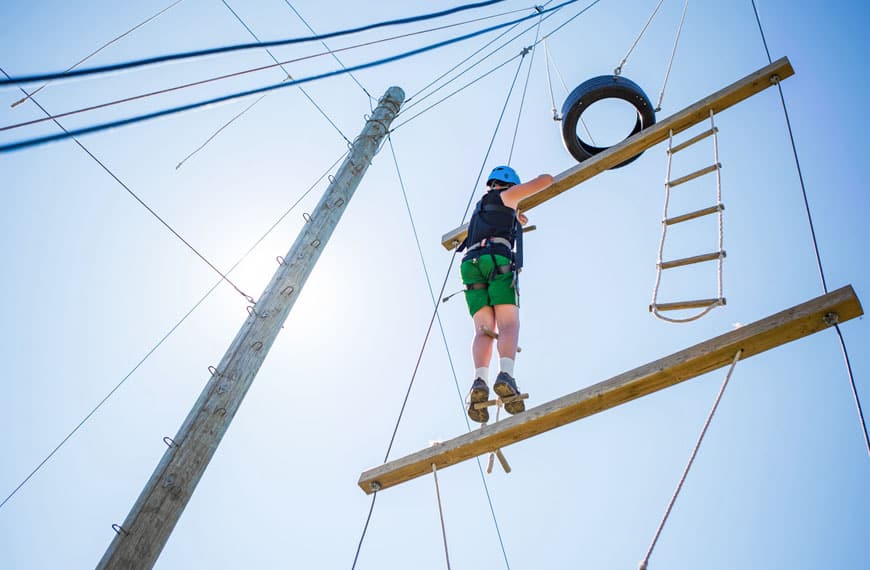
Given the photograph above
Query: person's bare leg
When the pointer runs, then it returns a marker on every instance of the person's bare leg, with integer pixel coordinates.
(481, 346)
(507, 318)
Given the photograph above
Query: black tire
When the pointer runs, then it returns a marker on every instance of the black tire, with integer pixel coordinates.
(595, 89)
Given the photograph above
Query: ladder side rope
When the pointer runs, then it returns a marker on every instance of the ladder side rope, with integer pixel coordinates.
(164, 338)
(96, 51)
(671, 60)
(618, 70)
(857, 399)
(645, 561)
(441, 514)
(719, 264)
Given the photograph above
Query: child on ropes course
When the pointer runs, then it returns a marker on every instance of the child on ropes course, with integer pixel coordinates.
(489, 272)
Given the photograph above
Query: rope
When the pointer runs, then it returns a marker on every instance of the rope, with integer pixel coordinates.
(287, 73)
(440, 295)
(446, 345)
(556, 115)
(139, 118)
(163, 338)
(813, 234)
(721, 219)
(238, 74)
(525, 88)
(645, 561)
(671, 61)
(441, 515)
(618, 70)
(98, 50)
(452, 69)
(331, 52)
(68, 134)
(239, 47)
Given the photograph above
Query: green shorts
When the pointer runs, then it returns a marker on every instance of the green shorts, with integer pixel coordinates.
(500, 290)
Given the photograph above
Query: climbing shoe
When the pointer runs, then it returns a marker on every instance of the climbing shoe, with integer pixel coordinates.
(506, 387)
(479, 394)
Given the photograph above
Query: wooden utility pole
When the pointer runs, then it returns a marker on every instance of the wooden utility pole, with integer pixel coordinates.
(141, 537)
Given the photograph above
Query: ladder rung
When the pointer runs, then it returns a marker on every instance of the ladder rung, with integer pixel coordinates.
(699, 304)
(693, 215)
(693, 140)
(692, 176)
(691, 260)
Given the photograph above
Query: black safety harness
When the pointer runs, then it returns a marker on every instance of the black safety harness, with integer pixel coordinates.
(494, 229)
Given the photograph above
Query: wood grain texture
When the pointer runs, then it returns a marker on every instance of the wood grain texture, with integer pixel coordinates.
(654, 134)
(783, 327)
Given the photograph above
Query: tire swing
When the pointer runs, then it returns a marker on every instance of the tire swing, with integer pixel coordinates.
(595, 89)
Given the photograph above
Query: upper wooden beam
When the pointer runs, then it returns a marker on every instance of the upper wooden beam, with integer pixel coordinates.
(791, 324)
(649, 137)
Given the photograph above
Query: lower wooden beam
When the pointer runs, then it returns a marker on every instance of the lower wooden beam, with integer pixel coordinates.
(695, 113)
(794, 323)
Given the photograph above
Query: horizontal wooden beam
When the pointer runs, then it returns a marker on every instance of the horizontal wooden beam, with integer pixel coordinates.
(786, 326)
(649, 137)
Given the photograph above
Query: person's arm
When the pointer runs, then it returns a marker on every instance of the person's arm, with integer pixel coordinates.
(514, 195)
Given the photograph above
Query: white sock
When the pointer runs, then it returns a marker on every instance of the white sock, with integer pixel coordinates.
(507, 365)
(482, 373)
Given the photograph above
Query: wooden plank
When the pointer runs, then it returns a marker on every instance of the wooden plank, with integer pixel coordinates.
(680, 305)
(786, 326)
(693, 140)
(691, 260)
(649, 137)
(695, 214)
(693, 175)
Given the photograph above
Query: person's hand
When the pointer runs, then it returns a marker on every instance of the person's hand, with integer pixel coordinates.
(522, 218)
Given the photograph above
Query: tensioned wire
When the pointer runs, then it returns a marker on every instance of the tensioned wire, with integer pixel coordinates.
(166, 336)
(813, 234)
(70, 134)
(233, 48)
(248, 71)
(261, 97)
(446, 344)
(139, 118)
(98, 50)
(406, 121)
(435, 311)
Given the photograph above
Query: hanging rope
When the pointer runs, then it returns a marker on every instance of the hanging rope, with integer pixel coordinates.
(654, 307)
(815, 241)
(645, 561)
(556, 115)
(618, 70)
(441, 514)
(671, 60)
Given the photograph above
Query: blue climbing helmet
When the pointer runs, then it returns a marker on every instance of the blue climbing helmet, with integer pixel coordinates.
(504, 174)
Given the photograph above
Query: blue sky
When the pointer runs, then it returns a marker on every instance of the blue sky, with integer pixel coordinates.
(93, 281)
